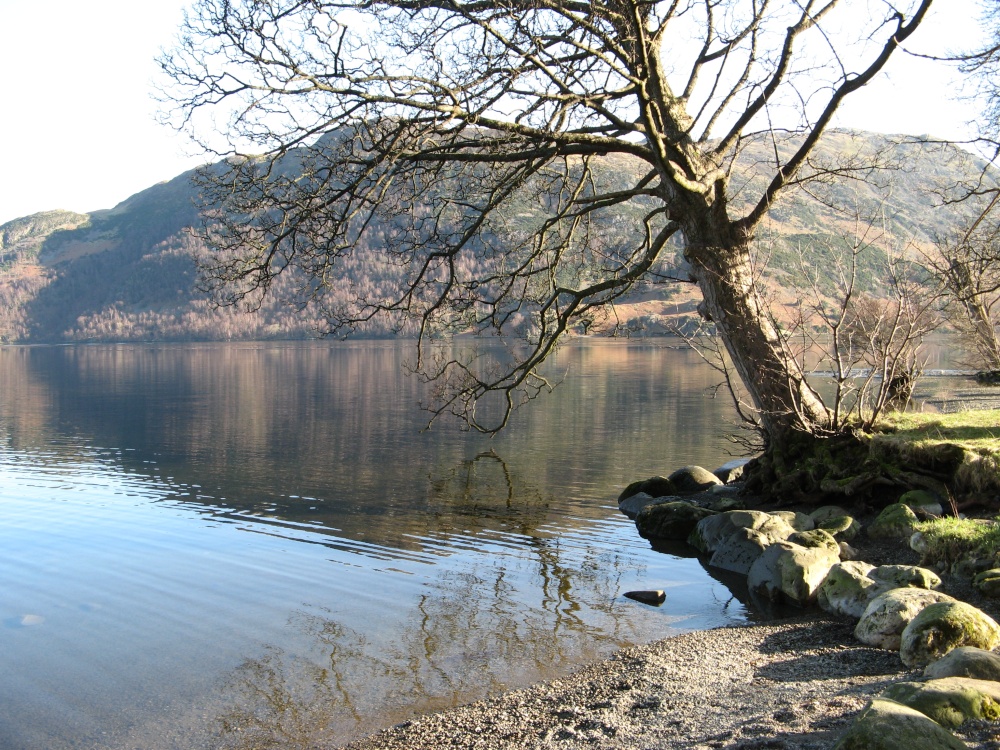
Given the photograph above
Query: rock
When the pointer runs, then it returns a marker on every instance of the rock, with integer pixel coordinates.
(724, 503)
(918, 543)
(942, 627)
(847, 552)
(798, 521)
(654, 487)
(670, 520)
(740, 550)
(988, 582)
(691, 479)
(905, 576)
(631, 505)
(825, 513)
(897, 521)
(816, 538)
(656, 597)
(922, 501)
(966, 661)
(710, 533)
(847, 589)
(731, 470)
(887, 725)
(843, 528)
(887, 615)
(951, 701)
(790, 572)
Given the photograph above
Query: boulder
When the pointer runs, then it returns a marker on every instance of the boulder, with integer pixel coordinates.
(918, 543)
(654, 487)
(711, 532)
(966, 661)
(843, 528)
(723, 503)
(671, 520)
(847, 552)
(988, 582)
(632, 504)
(887, 615)
(896, 521)
(731, 471)
(816, 538)
(789, 572)
(887, 725)
(740, 550)
(905, 576)
(798, 521)
(940, 628)
(922, 501)
(691, 479)
(951, 701)
(825, 513)
(847, 589)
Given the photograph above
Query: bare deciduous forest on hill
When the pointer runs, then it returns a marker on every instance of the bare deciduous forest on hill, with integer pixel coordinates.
(129, 273)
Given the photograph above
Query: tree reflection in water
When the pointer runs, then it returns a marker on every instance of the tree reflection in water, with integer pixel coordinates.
(476, 632)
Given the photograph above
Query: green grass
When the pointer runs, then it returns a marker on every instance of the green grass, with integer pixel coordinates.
(963, 445)
(974, 429)
(952, 539)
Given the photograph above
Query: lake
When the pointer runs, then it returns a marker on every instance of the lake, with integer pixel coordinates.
(247, 545)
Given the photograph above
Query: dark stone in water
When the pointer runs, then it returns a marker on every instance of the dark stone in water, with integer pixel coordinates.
(654, 597)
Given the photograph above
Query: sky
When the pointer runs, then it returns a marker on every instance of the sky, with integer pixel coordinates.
(78, 119)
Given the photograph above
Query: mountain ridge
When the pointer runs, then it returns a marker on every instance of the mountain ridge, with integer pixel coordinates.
(127, 273)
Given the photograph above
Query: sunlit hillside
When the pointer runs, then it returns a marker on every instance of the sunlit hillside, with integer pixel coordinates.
(128, 274)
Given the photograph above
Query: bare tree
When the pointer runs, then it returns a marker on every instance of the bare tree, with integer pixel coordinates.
(967, 268)
(462, 146)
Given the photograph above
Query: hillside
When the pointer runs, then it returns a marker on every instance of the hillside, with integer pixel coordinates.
(127, 273)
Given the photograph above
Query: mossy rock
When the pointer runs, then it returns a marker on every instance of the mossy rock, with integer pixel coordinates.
(672, 520)
(988, 583)
(847, 589)
(888, 615)
(922, 500)
(826, 513)
(798, 521)
(654, 487)
(790, 573)
(815, 539)
(691, 479)
(843, 528)
(905, 576)
(942, 627)
(950, 701)
(713, 531)
(888, 725)
(966, 661)
(896, 521)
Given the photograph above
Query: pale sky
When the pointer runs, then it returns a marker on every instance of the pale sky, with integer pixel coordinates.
(77, 117)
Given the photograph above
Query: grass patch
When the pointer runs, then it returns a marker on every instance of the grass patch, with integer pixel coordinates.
(974, 429)
(949, 540)
(964, 446)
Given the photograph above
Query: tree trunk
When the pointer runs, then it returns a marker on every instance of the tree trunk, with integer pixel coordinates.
(787, 406)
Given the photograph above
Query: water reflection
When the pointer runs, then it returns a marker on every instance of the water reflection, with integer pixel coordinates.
(271, 550)
(313, 434)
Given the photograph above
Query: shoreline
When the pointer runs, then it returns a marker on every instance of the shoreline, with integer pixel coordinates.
(793, 683)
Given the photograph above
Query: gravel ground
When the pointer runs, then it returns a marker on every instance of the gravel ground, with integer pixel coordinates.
(792, 684)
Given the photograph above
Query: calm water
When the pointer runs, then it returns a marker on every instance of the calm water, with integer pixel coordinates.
(234, 545)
